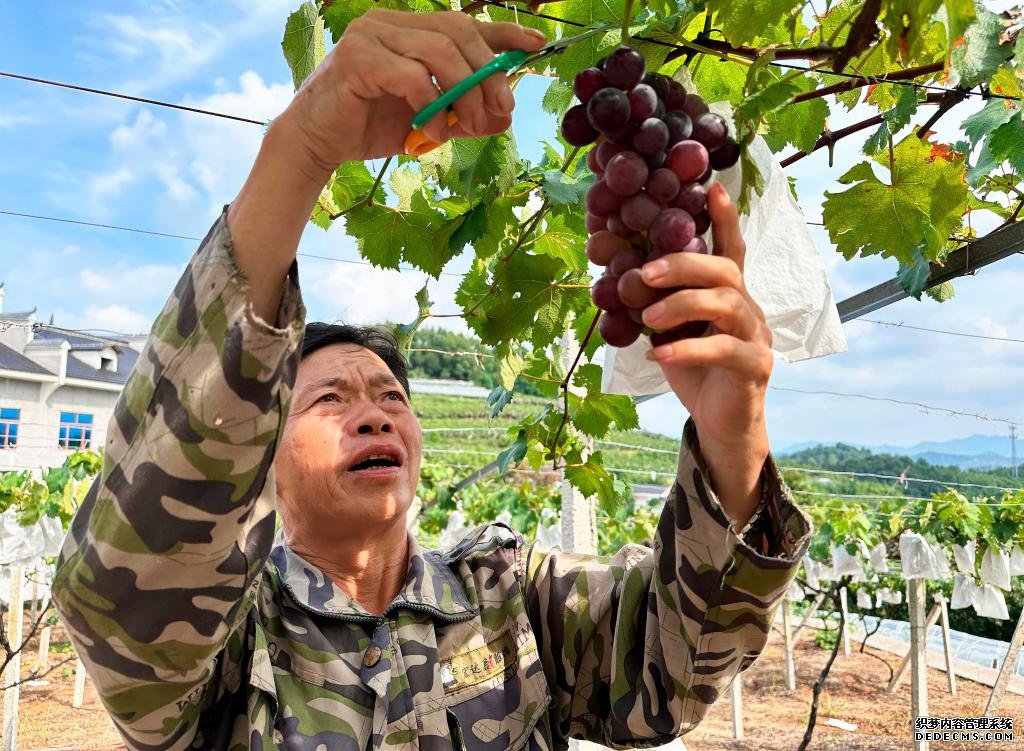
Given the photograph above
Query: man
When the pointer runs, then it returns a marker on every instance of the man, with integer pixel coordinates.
(201, 632)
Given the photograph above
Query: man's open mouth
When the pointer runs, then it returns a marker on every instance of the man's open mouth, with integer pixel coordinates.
(377, 460)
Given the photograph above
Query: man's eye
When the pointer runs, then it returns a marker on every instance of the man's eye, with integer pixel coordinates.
(327, 397)
(396, 395)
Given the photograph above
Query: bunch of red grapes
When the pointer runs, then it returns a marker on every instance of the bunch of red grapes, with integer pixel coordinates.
(657, 148)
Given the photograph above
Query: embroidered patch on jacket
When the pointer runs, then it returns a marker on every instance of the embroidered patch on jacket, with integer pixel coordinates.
(498, 657)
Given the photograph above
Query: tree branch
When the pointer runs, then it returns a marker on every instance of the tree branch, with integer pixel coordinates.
(819, 683)
(565, 387)
(949, 100)
(856, 83)
(830, 137)
(862, 33)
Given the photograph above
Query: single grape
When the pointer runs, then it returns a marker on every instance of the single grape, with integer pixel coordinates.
(601, 200)
(595, 223)
(626, 173)
(696, 245)
(688, 159)
(639, 211)
(679, 127)
(676, 97)
(642, 102)
(596, 168)
(655, 161)
(658, 82)
(671, 230)
(706, 174)
(605, 292)
(576, 128)
(623, 134)
(607, 109)
(688, 330)
(618, 329)
(605, 151)
(626, 259)
(710, 129)
(662, 185)
(587, 82)
(603, 245)
(692, 198)
(616, 225)
(694, 106)
(725, 155)
(702, 222)
(634, 293)
(651, 137)
(624, 68)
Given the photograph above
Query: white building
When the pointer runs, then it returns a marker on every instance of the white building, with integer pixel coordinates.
(58, 388)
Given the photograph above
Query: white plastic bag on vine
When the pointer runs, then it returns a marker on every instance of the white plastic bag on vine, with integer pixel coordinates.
(795, 593)
(995, 568)
(863, 599)
(878, 559)
(964, 555)
(886, 595)
(942, 568)
(811, 572)
(990, 603)
(845, 563)
(964, 592)
(783, 272)
(1017, 561)
(917, 557)
(454, 530)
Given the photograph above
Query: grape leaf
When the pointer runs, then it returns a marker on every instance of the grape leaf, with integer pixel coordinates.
(720, 80)
(595, 413)
(498, 399)
(917, 210)
(303, 43)
(908, 22)
(464, 165)
(959, 15)
(558, 98)
(983, 168)
(513, 454)
(914, 276)
(741, 23)
(351, 183)
(405, 181)
(799, 124)
(1007, 143)
(987, 119)
(472, 228)
(585, 53)
(593, 480)
(338, 14)
(941, 292)
(981, 54)
(1004, 82)
(560, 188)
(419, 236)
(325, 208)
(561, 243)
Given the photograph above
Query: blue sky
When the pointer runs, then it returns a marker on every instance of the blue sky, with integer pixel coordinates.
(96, 159)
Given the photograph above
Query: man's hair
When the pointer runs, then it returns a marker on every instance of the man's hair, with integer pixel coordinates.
(378, 339)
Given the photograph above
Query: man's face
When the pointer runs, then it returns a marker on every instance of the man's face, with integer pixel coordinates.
(350, 452)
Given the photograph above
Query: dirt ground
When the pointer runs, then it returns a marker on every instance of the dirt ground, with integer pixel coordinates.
(774, 719)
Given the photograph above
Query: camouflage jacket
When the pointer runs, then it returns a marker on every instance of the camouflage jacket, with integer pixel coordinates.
(200, 631)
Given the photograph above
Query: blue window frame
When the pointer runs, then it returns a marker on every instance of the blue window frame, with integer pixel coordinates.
(9, 419)
(75, 430)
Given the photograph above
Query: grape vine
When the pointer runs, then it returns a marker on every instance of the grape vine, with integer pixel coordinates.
(785, 67)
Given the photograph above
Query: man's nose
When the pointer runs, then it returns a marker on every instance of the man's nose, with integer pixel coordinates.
(372, 419)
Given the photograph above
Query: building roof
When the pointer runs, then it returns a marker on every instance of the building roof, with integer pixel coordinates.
(11, 359)
(20, 315)
(126, 358)
(77, 339)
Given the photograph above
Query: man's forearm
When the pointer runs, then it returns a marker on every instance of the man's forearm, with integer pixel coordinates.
(736, 473)
(267, 218)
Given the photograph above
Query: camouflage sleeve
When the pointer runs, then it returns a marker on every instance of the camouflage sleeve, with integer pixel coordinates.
(638, 647)
(162, 558)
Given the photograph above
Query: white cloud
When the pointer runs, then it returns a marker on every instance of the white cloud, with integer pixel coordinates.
(113, 318)
(363, 294)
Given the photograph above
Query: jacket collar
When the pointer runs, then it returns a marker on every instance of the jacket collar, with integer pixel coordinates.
(430, 587)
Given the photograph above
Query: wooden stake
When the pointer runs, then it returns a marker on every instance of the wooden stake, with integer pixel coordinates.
(13, 672)
(947, 646)
(79, 697)
(916, 591)
(999, 689)
(44, 649)
(815, 604)
(846, 621)
(933, 617)
(787, 646)
(737, 707)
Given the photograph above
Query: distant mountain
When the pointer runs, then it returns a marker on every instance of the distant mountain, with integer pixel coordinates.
(972, 452)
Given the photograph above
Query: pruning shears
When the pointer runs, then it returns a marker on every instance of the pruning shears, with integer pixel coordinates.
(509, 62)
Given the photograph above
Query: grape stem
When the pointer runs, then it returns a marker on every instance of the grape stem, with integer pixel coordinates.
(366, 200)
(627, 19)
(565, 388)
(829, 138)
